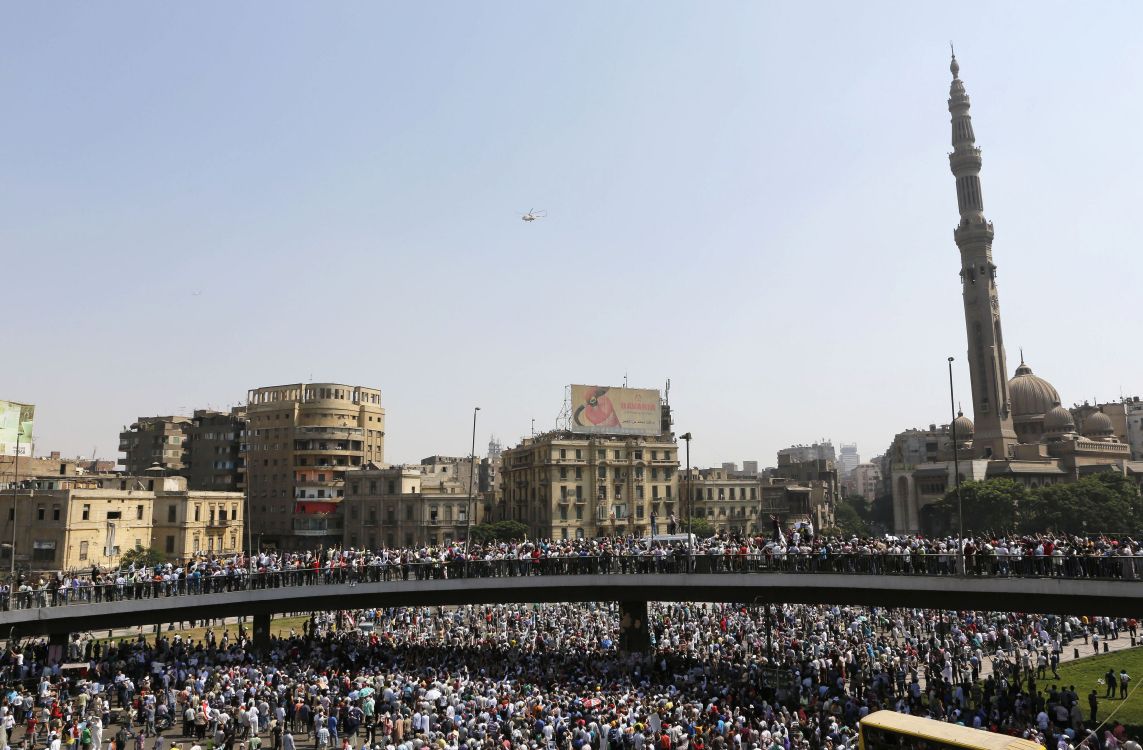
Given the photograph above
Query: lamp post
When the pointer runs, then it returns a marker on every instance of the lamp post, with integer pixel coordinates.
(689, 501)
(471, 487)
(956, 469)
(15, 489)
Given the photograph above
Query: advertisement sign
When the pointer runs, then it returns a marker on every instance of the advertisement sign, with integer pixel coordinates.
(16, 419)
(602, 410)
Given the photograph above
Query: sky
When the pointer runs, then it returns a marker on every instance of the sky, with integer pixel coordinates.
(750, 199)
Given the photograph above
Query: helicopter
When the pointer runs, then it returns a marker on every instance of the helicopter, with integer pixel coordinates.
(533, 214)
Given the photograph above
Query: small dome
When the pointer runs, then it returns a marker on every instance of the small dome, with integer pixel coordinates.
(964, 426)
(1031, 395)
(1059, 420)
(1098, 424)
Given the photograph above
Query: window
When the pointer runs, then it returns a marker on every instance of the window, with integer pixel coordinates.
(563, 472)
(43, 551)
(409, 514)
(114, 515)
(578, 453)
(40, 513)
(55, 512)
(197, 514)
(138, 512)
(86, 512)
(170, 544)
(83, 550)
(172, 514)
(563, 453)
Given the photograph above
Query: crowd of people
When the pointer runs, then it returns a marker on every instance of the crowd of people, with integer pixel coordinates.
(558, 676)
(554, 677)
(796, 551)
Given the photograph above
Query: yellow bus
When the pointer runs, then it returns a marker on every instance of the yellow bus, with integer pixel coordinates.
(889, 730)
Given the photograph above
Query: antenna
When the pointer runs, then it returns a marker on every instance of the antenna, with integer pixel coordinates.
(624, 379)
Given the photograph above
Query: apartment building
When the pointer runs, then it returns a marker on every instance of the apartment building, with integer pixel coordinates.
(405, 506)
(563, 485)
(302, 439)
(155, 443)
(215, 460)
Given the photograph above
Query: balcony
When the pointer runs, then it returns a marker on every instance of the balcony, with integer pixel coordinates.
(328, 433)
(216, 523)
(317, 526)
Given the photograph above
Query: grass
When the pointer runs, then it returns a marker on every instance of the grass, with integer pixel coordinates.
(1084, 674)
(279, 626)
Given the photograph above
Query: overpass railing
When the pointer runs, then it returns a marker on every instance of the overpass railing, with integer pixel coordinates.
(134, 585)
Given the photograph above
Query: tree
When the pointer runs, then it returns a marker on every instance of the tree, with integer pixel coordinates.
(847, 517)
(700, 527)
(142, 557)
(500, 531)
(988, 506)
(1107, 501)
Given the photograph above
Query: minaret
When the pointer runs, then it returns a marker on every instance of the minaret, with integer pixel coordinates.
(991, 405)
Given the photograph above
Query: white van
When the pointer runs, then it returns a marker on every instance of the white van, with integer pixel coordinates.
(672, 540)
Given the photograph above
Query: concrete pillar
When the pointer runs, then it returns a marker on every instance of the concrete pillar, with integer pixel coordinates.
(635, 635)
(57, 647)
(262, 632)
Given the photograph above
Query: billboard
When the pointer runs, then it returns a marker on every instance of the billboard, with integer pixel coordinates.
(16, 420)
(602, 410)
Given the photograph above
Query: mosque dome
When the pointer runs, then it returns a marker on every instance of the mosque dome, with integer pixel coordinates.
(1031, 395)
(964, 427)
(1059, 420)
(1098, 425)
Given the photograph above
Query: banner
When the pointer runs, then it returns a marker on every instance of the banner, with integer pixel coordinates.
(16, 420)
(603, 410)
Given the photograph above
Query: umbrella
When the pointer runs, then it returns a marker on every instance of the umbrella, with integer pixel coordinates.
(592, 703)
(366, 692)
(432, 695)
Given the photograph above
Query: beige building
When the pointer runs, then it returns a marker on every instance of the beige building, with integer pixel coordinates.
(867, 481)
(72, 523)
(302, 439)
(405, 506)
(562, 485)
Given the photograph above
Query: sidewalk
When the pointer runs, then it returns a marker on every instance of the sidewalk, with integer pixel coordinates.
(1085, 651)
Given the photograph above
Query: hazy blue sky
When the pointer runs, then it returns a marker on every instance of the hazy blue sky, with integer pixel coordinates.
(751, 199)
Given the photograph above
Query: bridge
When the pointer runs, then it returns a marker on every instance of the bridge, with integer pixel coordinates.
(1108, 597)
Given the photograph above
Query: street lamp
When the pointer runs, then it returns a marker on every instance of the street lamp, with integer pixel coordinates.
(689, 502)
(15, 489)
(956, 466)
(471, 487)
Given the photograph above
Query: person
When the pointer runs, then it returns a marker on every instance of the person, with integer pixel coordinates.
(1124, 678)
(1093, 704)
(1110, 681)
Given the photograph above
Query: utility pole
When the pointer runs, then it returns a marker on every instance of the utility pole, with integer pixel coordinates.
(956, 473)
(471, 488)
(15, 489)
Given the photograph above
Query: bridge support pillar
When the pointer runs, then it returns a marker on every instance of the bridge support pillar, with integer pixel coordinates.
(635, 635)
(262, 633)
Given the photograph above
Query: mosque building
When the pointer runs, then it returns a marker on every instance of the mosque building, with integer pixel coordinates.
(1020, 429)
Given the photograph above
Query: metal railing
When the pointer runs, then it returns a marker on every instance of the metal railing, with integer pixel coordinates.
(75, 590)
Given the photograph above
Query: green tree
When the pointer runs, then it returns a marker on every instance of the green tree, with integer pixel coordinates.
(1107, 501)
(700, 527)
(848, 519)
(141, 556)
(990, 505)
(499, 531)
